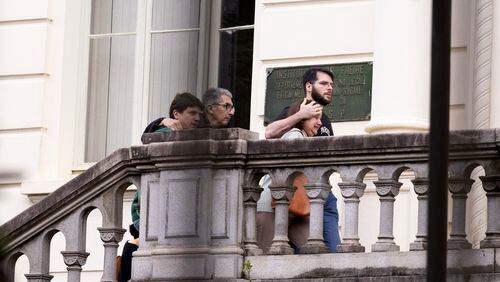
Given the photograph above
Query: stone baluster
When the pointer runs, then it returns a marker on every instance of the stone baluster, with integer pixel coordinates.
(110, 236)
(282, 196)
(251, 195)
(421, 187)
(387, 189)
(459, 187)
(491, 184)
(317, 194)
(351, 191)
(38, 253)
(74, 262)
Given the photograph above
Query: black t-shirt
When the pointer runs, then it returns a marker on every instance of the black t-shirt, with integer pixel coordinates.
(324, 130)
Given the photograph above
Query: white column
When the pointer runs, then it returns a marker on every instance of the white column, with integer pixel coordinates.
(495, 68)
(481, 107)
(401, 76)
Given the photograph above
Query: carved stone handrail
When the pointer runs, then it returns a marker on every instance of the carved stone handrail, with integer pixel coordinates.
(216, 174)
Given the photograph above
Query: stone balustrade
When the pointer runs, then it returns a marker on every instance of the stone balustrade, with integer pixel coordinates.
(199, 192)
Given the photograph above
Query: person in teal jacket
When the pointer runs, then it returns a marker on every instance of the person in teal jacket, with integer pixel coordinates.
(186, 109)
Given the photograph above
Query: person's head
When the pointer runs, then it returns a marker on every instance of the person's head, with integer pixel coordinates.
(309, 126)
(133, 231)
(318, 85)
(187, 109)
(219, 107)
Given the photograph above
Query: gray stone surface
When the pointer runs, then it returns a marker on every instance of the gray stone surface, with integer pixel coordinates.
(385, 265)
(192, 211)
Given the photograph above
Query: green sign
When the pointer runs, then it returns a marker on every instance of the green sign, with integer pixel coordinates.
(352, 93)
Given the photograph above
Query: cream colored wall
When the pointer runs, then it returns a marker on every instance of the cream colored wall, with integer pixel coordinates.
(397, 38)
(41, 66)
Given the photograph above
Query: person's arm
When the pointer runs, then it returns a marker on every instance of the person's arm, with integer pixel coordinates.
(277, 128)
(173, 124)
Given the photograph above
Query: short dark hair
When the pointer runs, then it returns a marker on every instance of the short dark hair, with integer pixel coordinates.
(183, 101)
(311, 75)
(294, 108)
(133, 231)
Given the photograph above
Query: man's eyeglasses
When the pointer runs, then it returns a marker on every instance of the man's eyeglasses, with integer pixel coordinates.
(227, 106)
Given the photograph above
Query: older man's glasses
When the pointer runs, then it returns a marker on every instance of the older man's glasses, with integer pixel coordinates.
(227, 106)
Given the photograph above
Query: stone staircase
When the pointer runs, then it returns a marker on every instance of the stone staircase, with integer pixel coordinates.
(199, 191)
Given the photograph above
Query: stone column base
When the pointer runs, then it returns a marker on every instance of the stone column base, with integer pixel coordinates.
(458, 244)
(418, 246)
(385, 247)
(253, 251)
(38, 277)
(280, 250)
(314, 248)
(350, 248)
(490, 243)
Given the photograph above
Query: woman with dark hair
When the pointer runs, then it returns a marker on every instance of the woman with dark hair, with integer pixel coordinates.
(298, 231)
(305, 127)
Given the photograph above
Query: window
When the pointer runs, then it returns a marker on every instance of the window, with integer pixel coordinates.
(110, 78)
(142, 53)
(236, 53)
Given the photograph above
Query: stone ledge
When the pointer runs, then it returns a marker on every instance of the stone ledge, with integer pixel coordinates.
(350, 265)
(200, 134)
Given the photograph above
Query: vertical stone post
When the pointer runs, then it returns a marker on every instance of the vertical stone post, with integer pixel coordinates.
(282, 196)
(421, 187)
(491, 185)
(74, 262)
(317, 194)
(459, 187)
(351, 191)
(110, 237)
(387, 189)
(38, 252)
(251, 195)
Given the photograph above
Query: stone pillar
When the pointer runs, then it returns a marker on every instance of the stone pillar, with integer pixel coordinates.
(386, 189)
(282, 196)
(491, 185)
(459, 187)
(251, 195)
(317, 194)
(495, 69)
(74, 261)
(421, 187)
(351, 191)
(482, 64)
(401, 68)
(38, 277)
(110, 237)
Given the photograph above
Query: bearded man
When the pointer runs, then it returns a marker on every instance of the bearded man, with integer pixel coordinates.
(318, 87)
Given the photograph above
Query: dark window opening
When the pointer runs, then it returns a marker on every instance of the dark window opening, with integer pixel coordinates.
(236, 56)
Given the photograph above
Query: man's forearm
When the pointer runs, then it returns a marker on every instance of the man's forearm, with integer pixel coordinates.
(277, 128)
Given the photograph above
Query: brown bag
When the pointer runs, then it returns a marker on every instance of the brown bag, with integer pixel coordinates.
(299, 204)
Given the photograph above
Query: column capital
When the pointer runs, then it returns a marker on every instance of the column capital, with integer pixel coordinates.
(111, 235)
(459, 185)
(251, 193)
(491, 183)
(387, 187)
(75, 258)
(282, 193)
(317, 190)
(352, 189)
(421, 186)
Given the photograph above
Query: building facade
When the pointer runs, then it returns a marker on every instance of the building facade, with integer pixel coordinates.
(80, 79)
